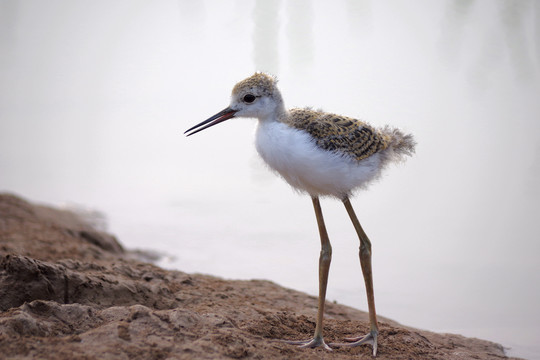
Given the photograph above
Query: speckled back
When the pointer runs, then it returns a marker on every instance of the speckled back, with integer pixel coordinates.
(339, 133)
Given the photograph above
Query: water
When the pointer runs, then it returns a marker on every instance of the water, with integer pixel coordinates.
(94, 97)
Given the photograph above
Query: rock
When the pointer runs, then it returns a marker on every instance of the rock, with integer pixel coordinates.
(69, 291)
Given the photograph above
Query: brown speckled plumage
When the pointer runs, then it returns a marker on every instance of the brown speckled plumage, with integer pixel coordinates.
(258, 82)
(339, 133)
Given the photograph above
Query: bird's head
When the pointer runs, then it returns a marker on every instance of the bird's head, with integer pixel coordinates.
(254, 97)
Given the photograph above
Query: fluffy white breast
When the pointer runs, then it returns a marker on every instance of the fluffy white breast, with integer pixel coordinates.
(308, 168)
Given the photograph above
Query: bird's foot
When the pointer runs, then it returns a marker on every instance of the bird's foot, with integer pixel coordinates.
(370, 338)
(312, 343)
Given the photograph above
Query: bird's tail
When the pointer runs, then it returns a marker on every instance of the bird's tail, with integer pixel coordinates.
(400, 144)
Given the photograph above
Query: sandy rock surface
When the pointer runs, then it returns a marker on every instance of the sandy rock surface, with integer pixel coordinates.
(68, 291)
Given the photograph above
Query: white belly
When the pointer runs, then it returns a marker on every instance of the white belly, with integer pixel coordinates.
(308, 168)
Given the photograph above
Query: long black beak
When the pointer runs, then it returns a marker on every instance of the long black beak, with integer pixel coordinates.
(221, 116)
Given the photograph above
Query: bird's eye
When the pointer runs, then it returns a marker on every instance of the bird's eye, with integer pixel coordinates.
(249, 98)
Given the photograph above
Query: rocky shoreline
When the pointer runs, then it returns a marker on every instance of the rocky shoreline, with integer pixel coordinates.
(69, 291)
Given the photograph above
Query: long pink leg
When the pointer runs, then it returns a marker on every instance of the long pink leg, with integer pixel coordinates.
(365, 263)
(324, 267)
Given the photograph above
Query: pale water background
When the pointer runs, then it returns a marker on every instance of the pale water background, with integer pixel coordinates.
(95, 95)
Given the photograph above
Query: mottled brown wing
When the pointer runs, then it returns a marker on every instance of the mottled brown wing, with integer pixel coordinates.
(339, 133)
